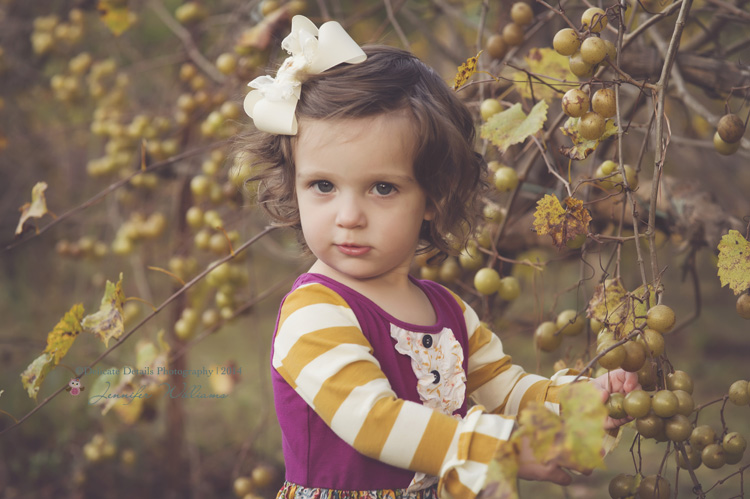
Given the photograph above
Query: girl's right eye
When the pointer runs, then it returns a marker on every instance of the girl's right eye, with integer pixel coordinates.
(323, 186)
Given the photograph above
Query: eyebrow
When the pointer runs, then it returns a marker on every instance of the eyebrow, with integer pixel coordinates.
(375, 177)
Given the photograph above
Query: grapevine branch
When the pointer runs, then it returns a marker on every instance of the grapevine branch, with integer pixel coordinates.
(113, 187)
(158, 309)
(394, 22)
(662, 86)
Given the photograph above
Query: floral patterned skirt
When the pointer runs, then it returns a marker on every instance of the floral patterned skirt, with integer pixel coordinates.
(294, 491)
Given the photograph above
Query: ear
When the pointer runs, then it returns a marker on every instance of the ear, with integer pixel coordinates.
(430, 211)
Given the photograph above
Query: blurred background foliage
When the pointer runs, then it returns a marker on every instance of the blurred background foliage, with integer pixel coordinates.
(91, 91)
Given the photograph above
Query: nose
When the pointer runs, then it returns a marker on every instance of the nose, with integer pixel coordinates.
(350, 213)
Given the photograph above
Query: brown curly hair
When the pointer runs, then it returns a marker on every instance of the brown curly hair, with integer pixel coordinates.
(390, 79)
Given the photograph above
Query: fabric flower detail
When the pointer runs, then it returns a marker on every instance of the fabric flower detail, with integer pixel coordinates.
(437, 361)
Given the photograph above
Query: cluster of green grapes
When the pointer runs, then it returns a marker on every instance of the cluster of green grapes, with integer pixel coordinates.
(608, 176)
(585, 49)
(108, 88)
(513, 33)
(219, 114)
(593, 113)
(138, 228)
(222, 285)
(472, 258)
(664, 416)
(50, 33)
(85, 247)
(632, 355)
(728, 136)
(548, 335)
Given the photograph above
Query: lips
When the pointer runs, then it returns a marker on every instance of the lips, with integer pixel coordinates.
(353, 249)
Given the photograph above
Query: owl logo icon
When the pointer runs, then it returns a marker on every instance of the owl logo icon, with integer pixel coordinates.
(74, 386)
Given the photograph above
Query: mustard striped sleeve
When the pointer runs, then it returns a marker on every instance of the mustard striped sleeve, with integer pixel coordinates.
(498, 384)
(319, 349)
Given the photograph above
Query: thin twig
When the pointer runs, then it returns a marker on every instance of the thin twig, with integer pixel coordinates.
(187, 40)
(640, 30)
(550, 167)
(396, 25)
(662, 85)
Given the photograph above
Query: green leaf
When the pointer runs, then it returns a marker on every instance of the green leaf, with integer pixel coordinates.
(734, 262)
(36, 209)
(59, 341)
(619, 310)
(543, 427)
(35, 373)
(107, 323)
(584, 415)
(583, 147)
(547, 66)
(512, 126)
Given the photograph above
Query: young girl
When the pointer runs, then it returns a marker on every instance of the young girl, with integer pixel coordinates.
(370, 156)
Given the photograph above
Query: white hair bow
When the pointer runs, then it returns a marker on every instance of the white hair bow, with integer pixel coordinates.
(271, 105)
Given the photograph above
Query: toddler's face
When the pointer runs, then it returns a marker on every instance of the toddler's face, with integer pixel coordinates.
(361, 207)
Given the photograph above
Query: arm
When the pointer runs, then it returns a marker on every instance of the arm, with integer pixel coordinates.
(505, 388)
(495, 382)
(321, 352)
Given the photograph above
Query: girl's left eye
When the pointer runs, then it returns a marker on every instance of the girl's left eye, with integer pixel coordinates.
(383, 188)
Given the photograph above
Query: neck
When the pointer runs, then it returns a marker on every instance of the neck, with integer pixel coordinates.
(394, 282)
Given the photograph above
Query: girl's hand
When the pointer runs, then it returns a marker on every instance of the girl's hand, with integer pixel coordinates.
(531, 469)
(617, 381)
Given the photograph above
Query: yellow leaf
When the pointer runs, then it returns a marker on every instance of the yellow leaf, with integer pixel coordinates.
(465, 71)
(107, 323)
(59, 341)
(117, 18)
(512, 126)
(734, 262)
(36, 209)
(619, 310)
(546, 65)
(562, 224)
(61, 338)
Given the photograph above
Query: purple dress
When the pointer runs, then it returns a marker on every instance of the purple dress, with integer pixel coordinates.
(315, 456)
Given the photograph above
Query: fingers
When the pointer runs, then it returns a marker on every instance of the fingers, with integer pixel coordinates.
(558, 476)
(611, 424)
